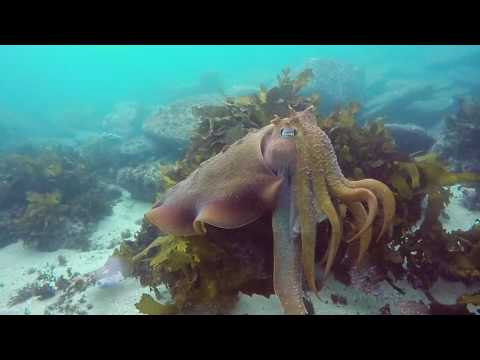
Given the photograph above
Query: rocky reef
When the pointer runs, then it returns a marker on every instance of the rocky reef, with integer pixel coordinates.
(424, 103)
(410, 138)
(50, 198)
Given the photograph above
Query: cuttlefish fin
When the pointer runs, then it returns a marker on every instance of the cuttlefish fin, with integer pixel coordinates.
(173, 219)
(239, 209)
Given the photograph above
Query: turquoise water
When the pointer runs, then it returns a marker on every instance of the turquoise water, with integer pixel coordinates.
(71, 95)
(40, 81)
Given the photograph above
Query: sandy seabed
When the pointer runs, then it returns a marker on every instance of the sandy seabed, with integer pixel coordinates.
(16, 261)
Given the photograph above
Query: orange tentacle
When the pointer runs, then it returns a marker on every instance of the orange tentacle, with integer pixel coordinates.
(386, 197)
(349, 196)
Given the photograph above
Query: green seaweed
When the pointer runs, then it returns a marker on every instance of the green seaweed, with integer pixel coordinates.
(43, 210)
(51, 187)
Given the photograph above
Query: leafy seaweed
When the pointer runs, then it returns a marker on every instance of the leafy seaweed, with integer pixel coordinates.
(148, 306)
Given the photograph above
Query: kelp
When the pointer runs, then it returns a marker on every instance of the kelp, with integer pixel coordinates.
(197, 272)
(148, 306)
(43, 210)
(201, 272)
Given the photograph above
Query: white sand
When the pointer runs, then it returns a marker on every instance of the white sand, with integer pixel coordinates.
(127, 215)
(16, 260)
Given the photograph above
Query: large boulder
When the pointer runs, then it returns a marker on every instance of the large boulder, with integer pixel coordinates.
(410, 138)
(421, 102)
(171, 126)
(124, 120)
(137, 149)
(143, 181)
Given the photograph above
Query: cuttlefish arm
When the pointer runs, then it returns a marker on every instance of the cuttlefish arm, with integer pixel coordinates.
(287, 268)
(281, 157)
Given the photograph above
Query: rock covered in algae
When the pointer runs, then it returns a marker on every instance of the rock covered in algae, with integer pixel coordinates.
(143, 181)
(124, 120)
(54, 196)
(172, 125)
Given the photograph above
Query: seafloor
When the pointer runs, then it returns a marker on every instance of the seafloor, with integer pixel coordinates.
(16, 262)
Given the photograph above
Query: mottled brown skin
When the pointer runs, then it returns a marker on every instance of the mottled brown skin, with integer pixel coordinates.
(289, 168)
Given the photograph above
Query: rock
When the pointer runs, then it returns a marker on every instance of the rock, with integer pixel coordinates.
(421, 102)
(410, 138)
(101, 151)
(170, 127)
(124, 120)
(336, 82)
(137, 149)
(110, 151)
(143, 181)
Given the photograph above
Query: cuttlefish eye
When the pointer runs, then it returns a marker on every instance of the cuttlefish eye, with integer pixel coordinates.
(287, 132)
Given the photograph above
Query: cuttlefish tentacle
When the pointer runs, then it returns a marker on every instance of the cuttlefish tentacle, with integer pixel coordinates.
(327, 160)
(328, 180)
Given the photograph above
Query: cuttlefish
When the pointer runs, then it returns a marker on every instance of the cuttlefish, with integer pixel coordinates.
(288, 168)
